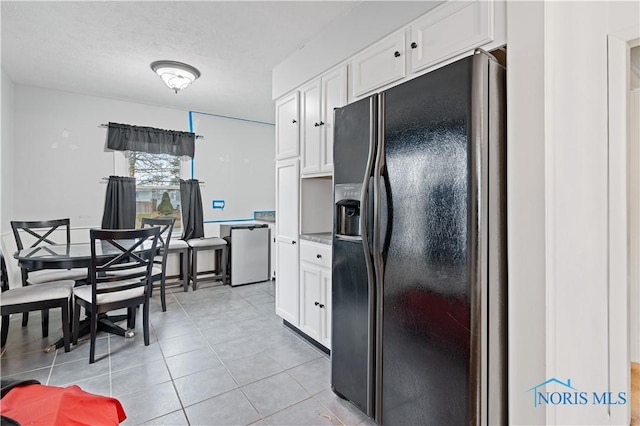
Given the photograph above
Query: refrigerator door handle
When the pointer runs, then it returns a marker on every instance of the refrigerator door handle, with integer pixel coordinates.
(378, 260)
(366, 241)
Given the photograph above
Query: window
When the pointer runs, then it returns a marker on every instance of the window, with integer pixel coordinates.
(157, 185)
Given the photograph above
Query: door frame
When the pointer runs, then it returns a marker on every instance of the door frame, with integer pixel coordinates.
(619, 166)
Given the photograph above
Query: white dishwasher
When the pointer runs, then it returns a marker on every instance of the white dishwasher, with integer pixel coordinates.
(248, 260)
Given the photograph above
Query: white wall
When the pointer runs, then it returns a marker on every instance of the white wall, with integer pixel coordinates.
(577, 201)
(526, 208)
(59, 151)
(235, 160)
(6, 153)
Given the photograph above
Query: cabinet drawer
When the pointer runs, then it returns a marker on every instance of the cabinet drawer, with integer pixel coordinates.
(315, 253)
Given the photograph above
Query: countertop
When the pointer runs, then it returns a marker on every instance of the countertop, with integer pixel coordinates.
(322, 237)
(265, 216)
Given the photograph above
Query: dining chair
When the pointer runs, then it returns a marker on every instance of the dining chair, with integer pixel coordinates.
(31, 234)
(55, 294)
(119, 281)
(159, 272)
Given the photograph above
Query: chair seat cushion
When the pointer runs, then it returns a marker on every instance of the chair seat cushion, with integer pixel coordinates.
(50, 291)
(155, 271)
(177, 244)
(48, 275)
(84, 292)
(206, 242)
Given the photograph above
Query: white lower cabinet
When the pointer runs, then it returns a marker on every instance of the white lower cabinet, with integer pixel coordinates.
(287, 295)
(315, 291)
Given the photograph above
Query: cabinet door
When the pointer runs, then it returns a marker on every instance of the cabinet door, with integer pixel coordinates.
(287, 198)
(325, 300)
(310, 300)
(287, 294)
(334, 95)
(287, 258)
(287, 127)
(450, 29)
(380, 64)
(310, 137)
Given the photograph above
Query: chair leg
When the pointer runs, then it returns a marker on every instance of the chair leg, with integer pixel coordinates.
(65, 325)
(225, 254)
(5, 330)
(145, 322)
(194, 268)
(184, 269)
(163, 298)
(25, 319)
(131, 317)
(93, 317)
(76, 324)
(45, 322)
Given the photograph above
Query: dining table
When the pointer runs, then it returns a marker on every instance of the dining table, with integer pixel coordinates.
(76, 255)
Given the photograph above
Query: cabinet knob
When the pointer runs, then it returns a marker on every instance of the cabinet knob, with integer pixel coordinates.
(316, 303)
(396, 53)
(293, 242)
(322, 123)
(294, 121)
(316, 125)
(321, 305)
(318, 256)
(414, 44)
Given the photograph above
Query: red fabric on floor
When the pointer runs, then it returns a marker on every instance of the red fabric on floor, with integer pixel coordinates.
(50, 405)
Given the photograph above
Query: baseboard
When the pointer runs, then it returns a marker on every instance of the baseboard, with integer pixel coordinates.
(635, 394)
(305, 337)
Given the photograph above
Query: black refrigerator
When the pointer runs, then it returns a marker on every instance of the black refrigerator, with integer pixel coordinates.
(419, 249)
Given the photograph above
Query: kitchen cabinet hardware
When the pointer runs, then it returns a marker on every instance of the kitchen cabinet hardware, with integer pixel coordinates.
(316, 125)
(294, 121)
(396, 53)
(316, 303)
(414, 44)
(320, 305)
(322, 123)
(293, 242)
(318, 256)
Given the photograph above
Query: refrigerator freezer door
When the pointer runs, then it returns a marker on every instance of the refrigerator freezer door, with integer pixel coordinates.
(352, 303)
(424, 250)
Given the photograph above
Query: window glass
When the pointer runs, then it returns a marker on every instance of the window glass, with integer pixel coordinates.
(157, 185)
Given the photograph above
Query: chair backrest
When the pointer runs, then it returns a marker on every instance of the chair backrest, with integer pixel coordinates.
(128, 253)
(33, 233)
(166, 228)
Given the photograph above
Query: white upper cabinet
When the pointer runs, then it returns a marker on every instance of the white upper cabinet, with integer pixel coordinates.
(379, 64)
(287, 127)
(318, 99)
(334, 95)
(310, 138)
(450, 29)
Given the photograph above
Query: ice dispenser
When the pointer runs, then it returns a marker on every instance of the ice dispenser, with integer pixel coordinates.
(347, 199)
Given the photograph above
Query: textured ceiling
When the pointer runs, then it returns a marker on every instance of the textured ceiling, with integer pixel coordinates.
(104, 48)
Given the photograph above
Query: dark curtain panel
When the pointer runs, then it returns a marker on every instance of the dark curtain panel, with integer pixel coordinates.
(192, 217)
(120, 203)
(123, 137)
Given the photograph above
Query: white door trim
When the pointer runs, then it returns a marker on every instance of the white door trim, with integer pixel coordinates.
(618, 284)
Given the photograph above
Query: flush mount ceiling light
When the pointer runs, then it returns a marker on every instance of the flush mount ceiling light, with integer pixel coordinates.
(176, 75)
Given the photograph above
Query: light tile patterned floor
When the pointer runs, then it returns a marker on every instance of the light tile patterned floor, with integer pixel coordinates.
(218, 356)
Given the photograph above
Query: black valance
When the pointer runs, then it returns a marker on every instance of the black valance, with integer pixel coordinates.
(123, 137)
